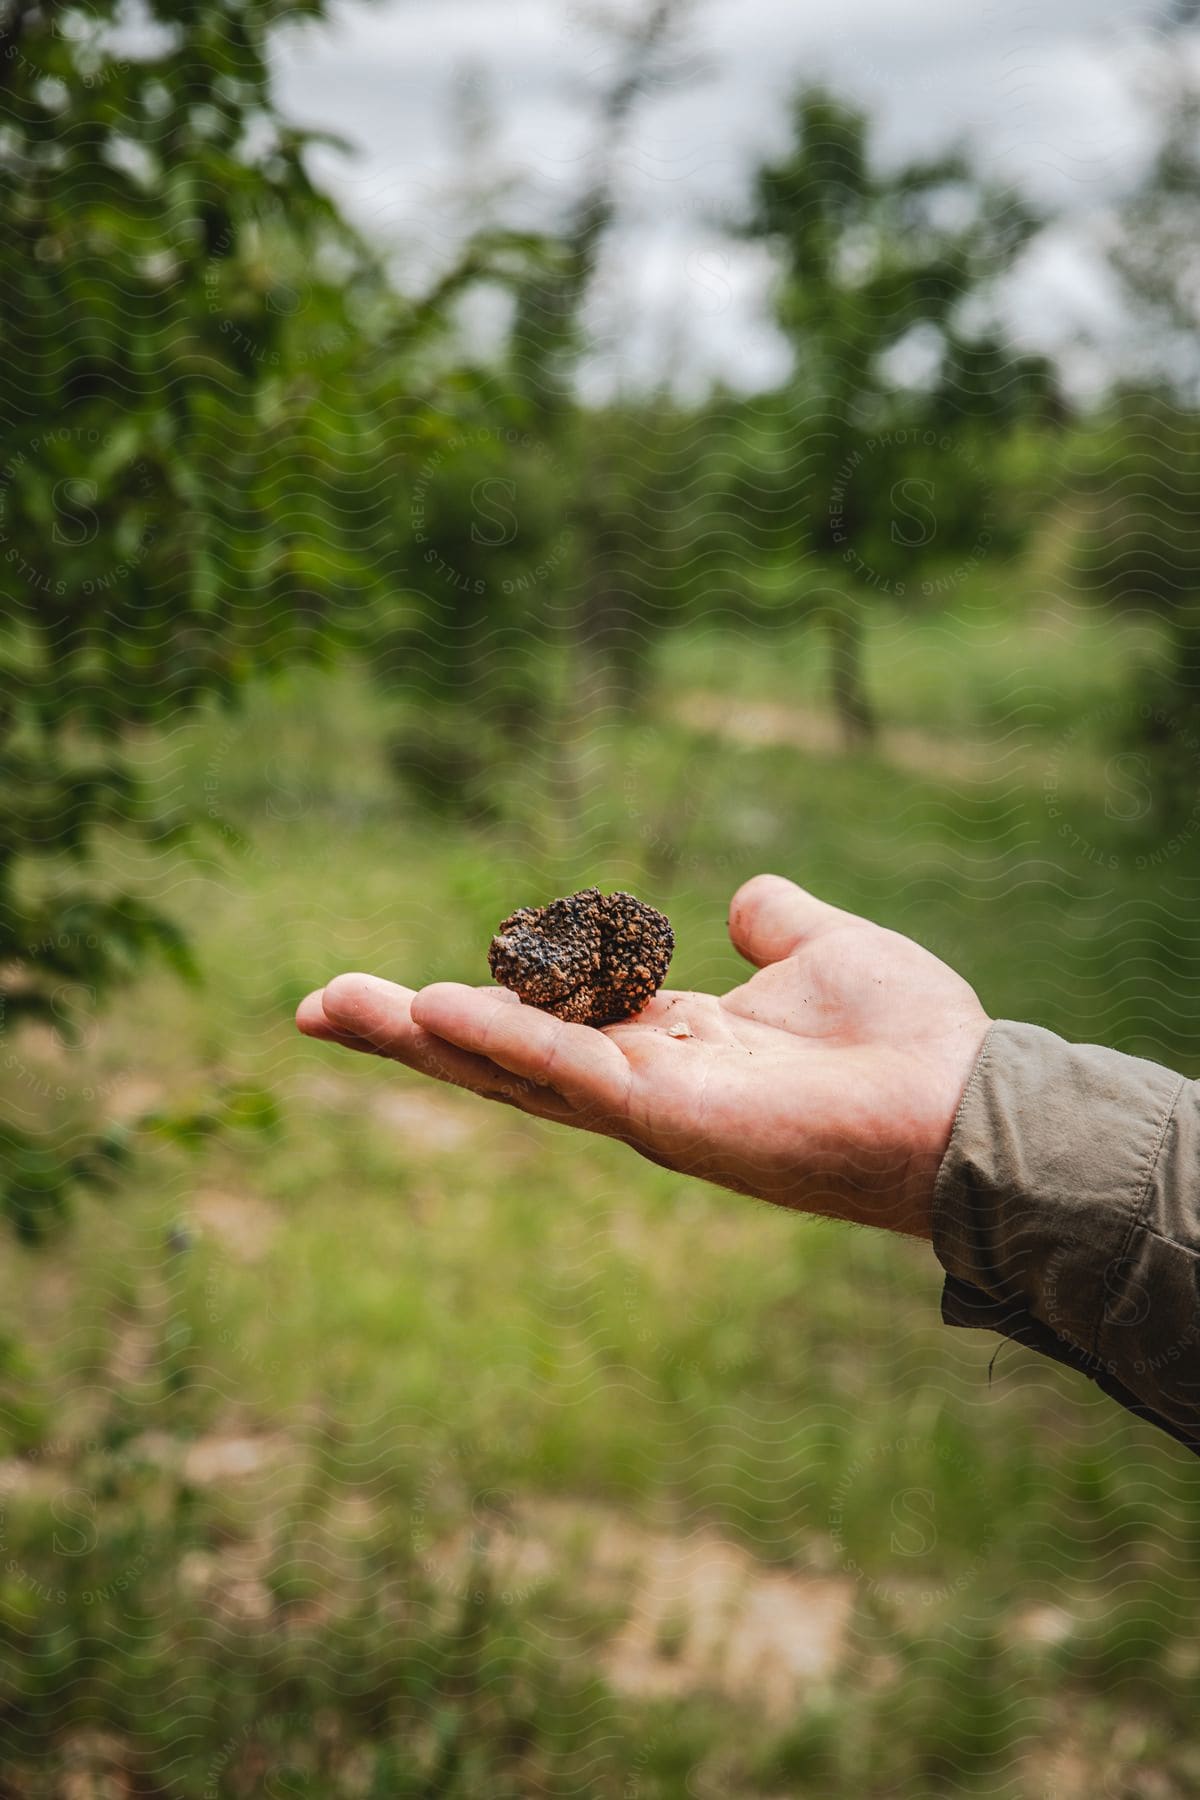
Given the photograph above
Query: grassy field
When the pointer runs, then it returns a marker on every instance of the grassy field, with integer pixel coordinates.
(408, 1448)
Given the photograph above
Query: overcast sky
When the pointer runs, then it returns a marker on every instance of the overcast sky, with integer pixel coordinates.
(1045, 90)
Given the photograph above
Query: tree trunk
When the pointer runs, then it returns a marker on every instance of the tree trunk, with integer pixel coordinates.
(851, 700)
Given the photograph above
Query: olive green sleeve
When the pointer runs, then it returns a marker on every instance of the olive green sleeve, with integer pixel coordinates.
(1067, 1216)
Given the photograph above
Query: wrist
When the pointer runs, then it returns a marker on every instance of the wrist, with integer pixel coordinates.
(947, 1082)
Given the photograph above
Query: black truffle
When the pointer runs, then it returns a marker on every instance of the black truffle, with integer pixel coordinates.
(591, 958)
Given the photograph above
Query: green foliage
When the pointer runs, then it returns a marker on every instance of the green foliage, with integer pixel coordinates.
(1140, 540)
(209, 396)
(1153, 247)
(872, 257)
(156, 396)
(887, 294)
(227, 443)
(457, 1303)
(1138, 473)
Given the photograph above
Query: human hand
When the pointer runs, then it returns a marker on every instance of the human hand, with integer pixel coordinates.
(827, 1082)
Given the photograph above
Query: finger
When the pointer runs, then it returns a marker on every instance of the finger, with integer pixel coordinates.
(365, 1012)
(368, 1007)
(769, 917)
(417, 1049)
(310, 1016)
(311, 1020)
(581, 1064)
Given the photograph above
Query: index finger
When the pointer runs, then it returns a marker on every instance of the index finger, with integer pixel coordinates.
(577, 1061)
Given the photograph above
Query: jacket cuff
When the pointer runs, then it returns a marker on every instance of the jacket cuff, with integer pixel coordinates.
(1043, 1186)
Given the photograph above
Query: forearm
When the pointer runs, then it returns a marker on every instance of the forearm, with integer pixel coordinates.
(1067, 1216)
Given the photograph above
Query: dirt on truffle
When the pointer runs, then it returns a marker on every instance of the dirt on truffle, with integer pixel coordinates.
(591, 958)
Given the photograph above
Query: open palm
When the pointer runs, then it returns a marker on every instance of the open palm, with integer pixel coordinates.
(828, 1081)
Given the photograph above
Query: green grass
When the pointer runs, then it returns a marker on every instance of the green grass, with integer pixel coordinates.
(1003, 654)
(437, 1318)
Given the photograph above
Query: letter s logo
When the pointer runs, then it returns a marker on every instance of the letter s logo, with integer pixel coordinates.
(488, 1511)
(503, 521)
(285, 802)
(80, 524)
(1126, 1296)
(288, 298)
(285, 1784)
(75, 1009)
(709, 271)
(72, 1505)
(1137, 796)
(913, 1510)
(922, 525)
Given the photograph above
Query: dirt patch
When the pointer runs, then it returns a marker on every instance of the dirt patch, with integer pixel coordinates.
(1047, 1626)
(769, 722)
(136, 1352)
(432, 1120)
(230, 1581)
(706, 1614)
(700, 1612)
(134, 1096)
(425, 1119)
(94, 1765)
(332, 1093)
(30, 1481)
(213, 1460)
(242, 1224)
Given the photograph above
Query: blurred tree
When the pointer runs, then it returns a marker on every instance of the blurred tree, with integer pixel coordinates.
(548, 337)
(528, 583)
(609, 625)
(1140, 465)
(1154, 246)
(208, 400)
(885, 287)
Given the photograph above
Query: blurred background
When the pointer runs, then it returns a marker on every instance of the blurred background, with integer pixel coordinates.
(451, 455)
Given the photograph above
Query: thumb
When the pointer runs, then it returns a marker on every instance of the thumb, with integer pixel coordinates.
(769, 917)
